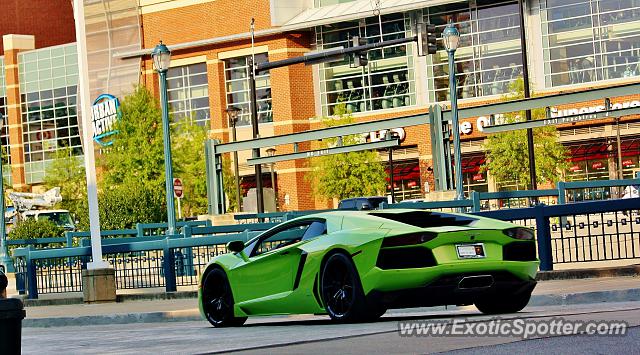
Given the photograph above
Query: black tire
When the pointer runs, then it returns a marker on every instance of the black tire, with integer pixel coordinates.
(341, 290)
(217, 300)
(499, 304)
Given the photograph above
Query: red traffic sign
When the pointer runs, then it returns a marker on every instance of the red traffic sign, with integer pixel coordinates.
(178, 191)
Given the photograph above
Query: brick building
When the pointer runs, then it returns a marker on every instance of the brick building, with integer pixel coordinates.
(571, 46)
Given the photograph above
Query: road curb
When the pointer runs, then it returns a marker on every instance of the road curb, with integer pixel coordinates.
(119, 298)
(628, 295)
(127, 318)
(619, 271)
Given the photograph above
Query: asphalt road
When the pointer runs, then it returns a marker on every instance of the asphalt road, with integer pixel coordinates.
(315, 334)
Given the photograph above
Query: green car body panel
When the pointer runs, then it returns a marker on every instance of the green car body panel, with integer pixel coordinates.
(286, 280)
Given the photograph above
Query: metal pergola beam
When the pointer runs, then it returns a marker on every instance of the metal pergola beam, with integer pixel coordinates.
(322, 152)
(331, 132)
(561, 120)
(545, 101)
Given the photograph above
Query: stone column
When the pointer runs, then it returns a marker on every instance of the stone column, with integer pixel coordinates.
(14, 44)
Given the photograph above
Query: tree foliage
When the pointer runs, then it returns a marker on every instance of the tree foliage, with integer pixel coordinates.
(187, 150)
(508, 155)
(229, 185)
(136, 157)
(31, 228)
(67, 172)
(124, 206)
(346, 175)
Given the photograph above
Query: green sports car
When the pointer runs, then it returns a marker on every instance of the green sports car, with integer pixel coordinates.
(354, 265)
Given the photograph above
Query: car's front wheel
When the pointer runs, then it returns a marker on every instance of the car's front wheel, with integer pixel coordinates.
(506, 303)
(342, 292)
(217, 300)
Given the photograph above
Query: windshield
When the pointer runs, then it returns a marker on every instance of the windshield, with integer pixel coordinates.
(59, 218)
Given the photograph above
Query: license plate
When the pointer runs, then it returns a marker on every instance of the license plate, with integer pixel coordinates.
(470, 251)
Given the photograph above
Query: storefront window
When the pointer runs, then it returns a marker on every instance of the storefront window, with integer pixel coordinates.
(406, 180)
(48, 86)
(473, 177)
(237, 86)
(588, 162)
(590, 40)
(386, 82)
(188, 92)
(489, 57)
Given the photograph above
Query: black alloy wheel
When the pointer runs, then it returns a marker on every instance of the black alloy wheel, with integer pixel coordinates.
(341, 290)
(217, 300)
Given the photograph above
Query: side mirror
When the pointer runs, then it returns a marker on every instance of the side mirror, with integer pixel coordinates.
(365, 206)
(235, 246)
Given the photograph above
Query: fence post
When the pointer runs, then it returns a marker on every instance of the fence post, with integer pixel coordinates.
(32, 280)
(543, 235)
(169, 268)
(562, 199)
(475, 198)
(140, 230)
(69, 239)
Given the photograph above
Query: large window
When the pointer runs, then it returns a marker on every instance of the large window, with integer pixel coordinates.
(188, 91)
(4, 134)
(489, 56)
(386, 82)
(237, 86)
(590, 40)
(48, 87)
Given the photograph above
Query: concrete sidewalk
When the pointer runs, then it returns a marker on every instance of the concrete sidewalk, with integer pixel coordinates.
(555, 292)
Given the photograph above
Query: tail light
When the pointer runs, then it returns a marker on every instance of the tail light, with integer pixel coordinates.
(408, 239)
(519, 233)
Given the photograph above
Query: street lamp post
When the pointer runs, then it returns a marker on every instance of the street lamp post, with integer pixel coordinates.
(451, 39)
(161, 60)
(232, 113)
(272, 152)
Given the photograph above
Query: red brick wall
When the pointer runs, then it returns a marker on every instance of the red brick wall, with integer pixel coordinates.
(50, 21)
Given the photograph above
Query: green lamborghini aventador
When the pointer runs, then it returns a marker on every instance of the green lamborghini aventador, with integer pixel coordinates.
(354, 265)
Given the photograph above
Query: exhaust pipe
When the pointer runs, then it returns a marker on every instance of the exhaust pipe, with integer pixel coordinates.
(479, 281)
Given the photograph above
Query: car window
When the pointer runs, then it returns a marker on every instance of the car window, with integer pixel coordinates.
(375, 202)
(281, 239)
(347, 204)
(316, 229)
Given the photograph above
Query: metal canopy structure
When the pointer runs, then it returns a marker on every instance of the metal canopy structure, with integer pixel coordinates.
(440, 138)
(323, 152)
(545, 101)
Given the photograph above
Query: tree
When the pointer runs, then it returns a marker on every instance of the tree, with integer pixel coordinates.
(508, 155)
(67, 172)
(187, 150)
(346, 175)
(229, 185)
(136, 157)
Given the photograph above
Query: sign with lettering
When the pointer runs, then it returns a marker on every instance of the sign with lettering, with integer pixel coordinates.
(104, 114)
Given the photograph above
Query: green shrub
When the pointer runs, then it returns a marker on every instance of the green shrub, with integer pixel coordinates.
(32, 229)
(124, 206)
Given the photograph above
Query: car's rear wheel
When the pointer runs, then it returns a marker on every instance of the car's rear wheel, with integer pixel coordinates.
(217, 300)
(505, 303)
(342, 292)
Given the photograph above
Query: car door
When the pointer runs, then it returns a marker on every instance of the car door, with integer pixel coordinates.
(269, 271)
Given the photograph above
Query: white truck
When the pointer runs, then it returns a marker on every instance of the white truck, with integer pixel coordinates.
(28, 205)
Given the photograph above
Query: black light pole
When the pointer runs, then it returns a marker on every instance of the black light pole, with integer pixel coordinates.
(527, 94)
(272, 152)
(233, 113)
(256, 134)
